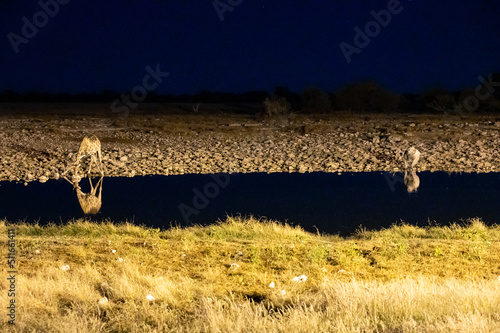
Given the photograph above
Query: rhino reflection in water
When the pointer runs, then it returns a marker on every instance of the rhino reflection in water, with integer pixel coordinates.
(410, 160)
(90, 203)
(412, 181)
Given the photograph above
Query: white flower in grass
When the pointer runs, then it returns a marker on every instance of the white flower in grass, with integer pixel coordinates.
(103, 301)
(234, 266)
(37, 251)
(342, 271)
(121, 259)
(283, 292)
(301, 278)
(150, 298)
(113, 251)
(65, 267)
(271, 285)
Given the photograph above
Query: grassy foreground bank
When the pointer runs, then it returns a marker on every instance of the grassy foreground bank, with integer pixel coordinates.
(246, 275)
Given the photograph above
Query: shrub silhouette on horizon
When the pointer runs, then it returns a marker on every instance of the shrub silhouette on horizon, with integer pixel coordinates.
(315, 101)
(366, 96)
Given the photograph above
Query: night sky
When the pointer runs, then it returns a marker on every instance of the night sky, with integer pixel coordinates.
(93, 45)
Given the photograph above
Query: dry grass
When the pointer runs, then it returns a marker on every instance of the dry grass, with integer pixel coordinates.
(402, 279)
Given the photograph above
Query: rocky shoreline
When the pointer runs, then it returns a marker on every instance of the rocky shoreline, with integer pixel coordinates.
(37, 148)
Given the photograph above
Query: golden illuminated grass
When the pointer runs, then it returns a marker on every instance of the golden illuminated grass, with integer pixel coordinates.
(402, 279)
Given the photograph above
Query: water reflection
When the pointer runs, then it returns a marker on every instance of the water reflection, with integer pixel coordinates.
(410, 159)
(327, 201)
(412, 181)
(89, 202)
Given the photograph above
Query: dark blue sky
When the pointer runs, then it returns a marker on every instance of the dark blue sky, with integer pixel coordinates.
(92, 45)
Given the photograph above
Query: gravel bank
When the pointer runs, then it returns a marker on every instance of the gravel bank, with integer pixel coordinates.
(40, 148)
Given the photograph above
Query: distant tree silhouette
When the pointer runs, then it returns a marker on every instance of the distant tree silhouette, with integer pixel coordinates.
(315, 101)
(291, 97)
(441, 102)
(366, 96)
(496, 78)
(468, 102)
(253, 96)
(276, 106)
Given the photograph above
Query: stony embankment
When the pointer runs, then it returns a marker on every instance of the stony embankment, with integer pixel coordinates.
(32, 149)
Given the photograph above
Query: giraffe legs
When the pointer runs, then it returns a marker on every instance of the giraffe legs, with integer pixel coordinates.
(101, 166)
(65, 172)
(98, 163)
(92, 159)
(90, 147)
(93, 189)
(75, 170)
(100, 188)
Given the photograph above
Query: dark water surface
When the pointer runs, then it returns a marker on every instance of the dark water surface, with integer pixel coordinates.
(332, 203)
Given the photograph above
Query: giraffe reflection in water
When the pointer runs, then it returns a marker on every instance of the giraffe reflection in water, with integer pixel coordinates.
(90, 148)
(90, 202)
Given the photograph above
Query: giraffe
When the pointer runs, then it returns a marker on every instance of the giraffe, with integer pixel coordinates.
(90, 147)
(89, 202)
